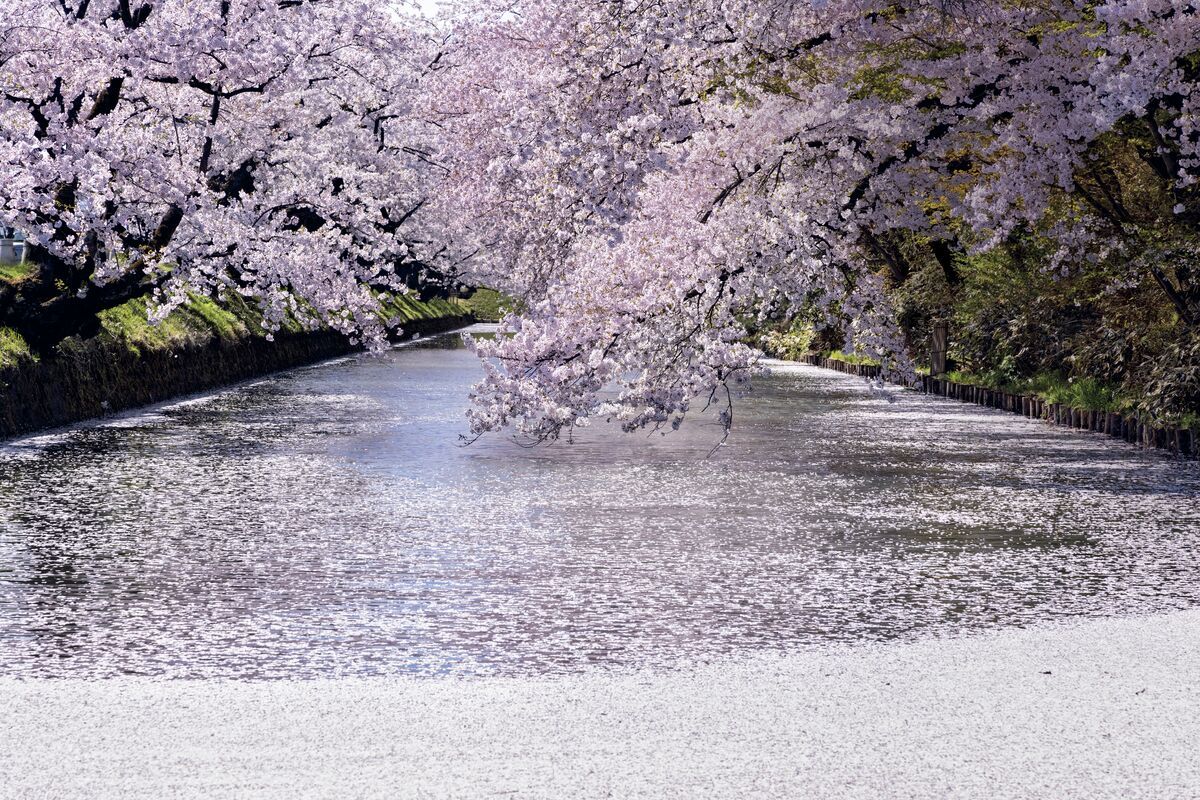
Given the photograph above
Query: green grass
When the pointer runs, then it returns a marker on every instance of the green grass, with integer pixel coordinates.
(15, 272)
(200, 322)
(13, 349)
(839, 355)
(407, 308)
(488, 305)
(129, 324)
(228, 322)
(203, 319)
(980, 379)
(1084, 393)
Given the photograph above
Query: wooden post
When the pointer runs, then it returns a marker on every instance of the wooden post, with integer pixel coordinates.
(941, 343)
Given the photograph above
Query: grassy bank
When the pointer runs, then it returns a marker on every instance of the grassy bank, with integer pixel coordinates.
(202, 345)
(200, 323)
(488, 305)
(203, 322)
(1087, 394)
(1071, 387)
(14, 272)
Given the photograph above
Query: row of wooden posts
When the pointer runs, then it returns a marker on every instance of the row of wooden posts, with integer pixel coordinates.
(1121, 426)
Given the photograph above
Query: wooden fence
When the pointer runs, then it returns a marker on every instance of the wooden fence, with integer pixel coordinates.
(1128, 427)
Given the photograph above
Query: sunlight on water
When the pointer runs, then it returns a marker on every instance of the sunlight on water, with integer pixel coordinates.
(329, 522)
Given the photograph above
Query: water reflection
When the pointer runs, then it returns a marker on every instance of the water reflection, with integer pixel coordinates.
(327, 522)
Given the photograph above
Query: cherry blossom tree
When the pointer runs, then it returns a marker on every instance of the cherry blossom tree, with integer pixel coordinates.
(270, 148)
(653, 180)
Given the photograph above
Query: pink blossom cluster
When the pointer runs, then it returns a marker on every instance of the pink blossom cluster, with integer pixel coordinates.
(268, 148)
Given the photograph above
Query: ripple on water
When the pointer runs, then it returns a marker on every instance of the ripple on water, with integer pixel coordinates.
(328, 522)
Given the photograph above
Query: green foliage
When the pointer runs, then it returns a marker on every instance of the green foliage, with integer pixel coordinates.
(1173, 380)
(13, 349)
(1102, 336)
(789, 344)
(851, 358)
(1103, 328)
(1086, 393)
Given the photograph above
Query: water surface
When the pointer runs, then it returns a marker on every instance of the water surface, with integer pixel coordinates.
(328, 522)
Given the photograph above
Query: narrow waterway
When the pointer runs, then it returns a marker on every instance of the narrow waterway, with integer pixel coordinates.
(329, 522)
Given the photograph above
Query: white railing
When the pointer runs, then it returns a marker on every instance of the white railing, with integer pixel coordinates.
(12, 247)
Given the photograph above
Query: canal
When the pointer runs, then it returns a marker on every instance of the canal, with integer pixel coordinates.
(330, 522)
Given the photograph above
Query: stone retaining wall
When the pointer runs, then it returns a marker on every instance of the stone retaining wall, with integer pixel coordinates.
(100, 378)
